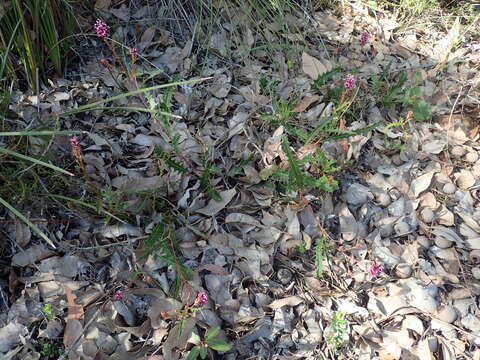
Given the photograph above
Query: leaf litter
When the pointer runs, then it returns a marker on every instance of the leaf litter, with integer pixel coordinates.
(410, 210)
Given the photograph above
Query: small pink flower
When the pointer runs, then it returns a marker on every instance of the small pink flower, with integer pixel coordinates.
(74, 142)
(101, 28)
(364, 36)
(119, 295)
(133, 51)
(349, 82)
(201, 299)
(375, 268)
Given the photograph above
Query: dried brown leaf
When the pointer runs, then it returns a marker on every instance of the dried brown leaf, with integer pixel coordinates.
(305, 103)
(290, 301)
(314, 67)
(216, 269)
(31, 255)
(102, 4)
(215, 206)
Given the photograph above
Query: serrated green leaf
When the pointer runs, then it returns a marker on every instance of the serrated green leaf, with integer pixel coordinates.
(212, 332)
(218, 344)
(193, 354)
(422, 111)
(203, 352)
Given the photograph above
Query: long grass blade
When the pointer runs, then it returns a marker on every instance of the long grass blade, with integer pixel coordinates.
(82, 203)
(42, 133)
(28, 222)
(127, 94)
(36, 161)
(134, 108)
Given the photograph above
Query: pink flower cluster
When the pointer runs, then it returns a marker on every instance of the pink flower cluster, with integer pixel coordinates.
(364, 36)
(101, 28)
(74, 142)
(133, 51)
(202, 299)
(349, 82)
(119, 295)
(375, 268)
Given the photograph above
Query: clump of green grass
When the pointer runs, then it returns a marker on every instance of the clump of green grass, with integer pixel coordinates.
(36, 38)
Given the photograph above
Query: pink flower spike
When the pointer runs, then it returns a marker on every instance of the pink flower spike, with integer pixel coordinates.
(364, 36)
(201, 299)
(375, 268)
(349, 82)
(133, 51)
(119, 295)
(101, 28)
(74, 142)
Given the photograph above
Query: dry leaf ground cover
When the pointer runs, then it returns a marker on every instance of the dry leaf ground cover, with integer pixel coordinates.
(307, 188)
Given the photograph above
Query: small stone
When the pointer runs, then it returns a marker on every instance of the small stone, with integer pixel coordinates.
(433, 344)
(458, 151)
(442, 243)
(386, 230)
(284, 276)
(358, 194)
(474, 256)
(476, 272)
(447, 314)
(424, 241)
(403, 270)
(383, 199)
(465, 179)
(397, 160)
(449, 188)
(471, 157)
(401, 228)
(427, 215)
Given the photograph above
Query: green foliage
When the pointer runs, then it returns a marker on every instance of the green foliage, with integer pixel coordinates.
(211, 341)
(162, 245)
(322, 250)
(296, 175)
(50, 350)
(35, 29)
(48, 311)
(301, 248)
(206, 181)
(268, 87)
(403, 94)
(324, 78)
(339, 330)
(169, 161)
(282, 112)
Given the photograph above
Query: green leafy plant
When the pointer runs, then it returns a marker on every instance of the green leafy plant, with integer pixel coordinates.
(211, 341)
(48, 311)
(162, 244)
(169, 161)
(206, 181)
(339, 330)
(324, 78)
(402, 93)
(50, 349)
(267, 87)
(322, 251)
(297, 176)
